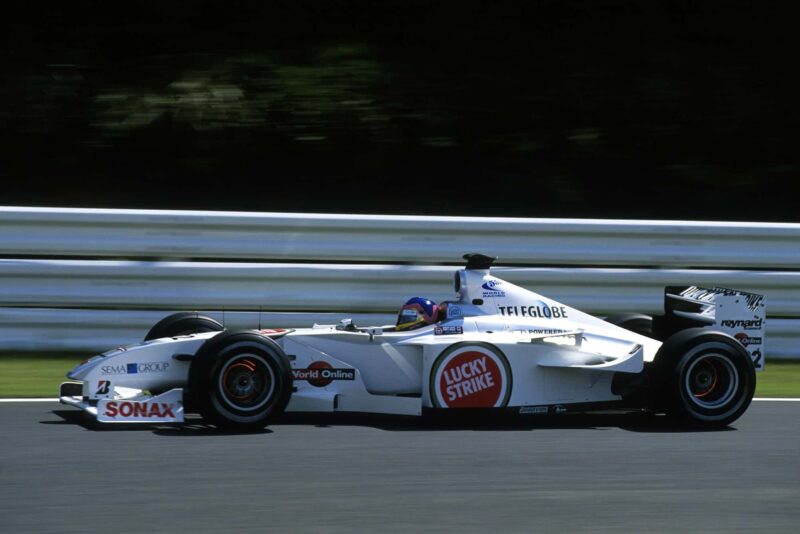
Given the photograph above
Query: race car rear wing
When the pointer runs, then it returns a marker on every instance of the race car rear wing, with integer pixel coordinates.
(734, 312)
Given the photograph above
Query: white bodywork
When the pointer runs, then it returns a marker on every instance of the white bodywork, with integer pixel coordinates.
(500, 346)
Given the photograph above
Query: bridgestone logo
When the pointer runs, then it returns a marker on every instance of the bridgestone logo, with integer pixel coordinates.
(746, 324)
(527, 410)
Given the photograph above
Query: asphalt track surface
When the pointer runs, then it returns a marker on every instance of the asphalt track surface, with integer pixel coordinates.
(372, 474)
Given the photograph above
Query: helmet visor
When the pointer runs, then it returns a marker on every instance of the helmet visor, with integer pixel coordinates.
(408, 316)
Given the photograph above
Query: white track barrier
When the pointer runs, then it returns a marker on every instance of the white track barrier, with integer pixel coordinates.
(343, 287)
(599, 266)
(164, 234)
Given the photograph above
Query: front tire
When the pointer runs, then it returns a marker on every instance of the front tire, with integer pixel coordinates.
(705, 377)
(240, 380)
(181, 324)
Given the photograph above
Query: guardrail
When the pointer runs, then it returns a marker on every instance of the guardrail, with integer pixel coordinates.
(115, 301)
(347, 287)
(162, 234)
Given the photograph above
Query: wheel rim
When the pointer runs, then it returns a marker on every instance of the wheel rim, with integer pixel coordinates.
(711, 381)
(246, 382)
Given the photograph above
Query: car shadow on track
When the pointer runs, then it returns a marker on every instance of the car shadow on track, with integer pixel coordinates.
(646, 423)
(194, 426)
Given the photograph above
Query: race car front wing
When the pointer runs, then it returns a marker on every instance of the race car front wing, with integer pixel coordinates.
(126, 405)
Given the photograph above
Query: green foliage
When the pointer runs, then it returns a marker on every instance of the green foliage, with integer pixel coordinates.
(779, 379)
(34, 375)
(579, 109)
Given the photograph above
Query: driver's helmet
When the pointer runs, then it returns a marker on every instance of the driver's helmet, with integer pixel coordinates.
(416, 313)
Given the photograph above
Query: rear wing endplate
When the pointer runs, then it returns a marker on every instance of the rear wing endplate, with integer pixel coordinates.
(737, 313)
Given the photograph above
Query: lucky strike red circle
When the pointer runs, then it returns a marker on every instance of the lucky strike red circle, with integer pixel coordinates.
(471, 380)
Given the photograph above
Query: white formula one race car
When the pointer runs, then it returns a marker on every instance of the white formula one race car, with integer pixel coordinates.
(497, 346)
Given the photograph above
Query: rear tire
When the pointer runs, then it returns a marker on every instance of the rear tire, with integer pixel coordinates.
(635, 322)
(240, 380)
(181, 324)
(704, 377)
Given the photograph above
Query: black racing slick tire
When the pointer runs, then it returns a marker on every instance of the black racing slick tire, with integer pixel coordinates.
(240, 380)
(635, 322)
(704, 377)
(181, 324)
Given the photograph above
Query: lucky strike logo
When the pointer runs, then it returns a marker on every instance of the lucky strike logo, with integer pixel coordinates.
(146, 410)
(472, 378)
(320, 374)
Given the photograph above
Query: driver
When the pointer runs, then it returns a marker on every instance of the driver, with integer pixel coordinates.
(416, 313)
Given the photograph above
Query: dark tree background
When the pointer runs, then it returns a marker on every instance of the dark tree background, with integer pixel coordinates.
(624, 109)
